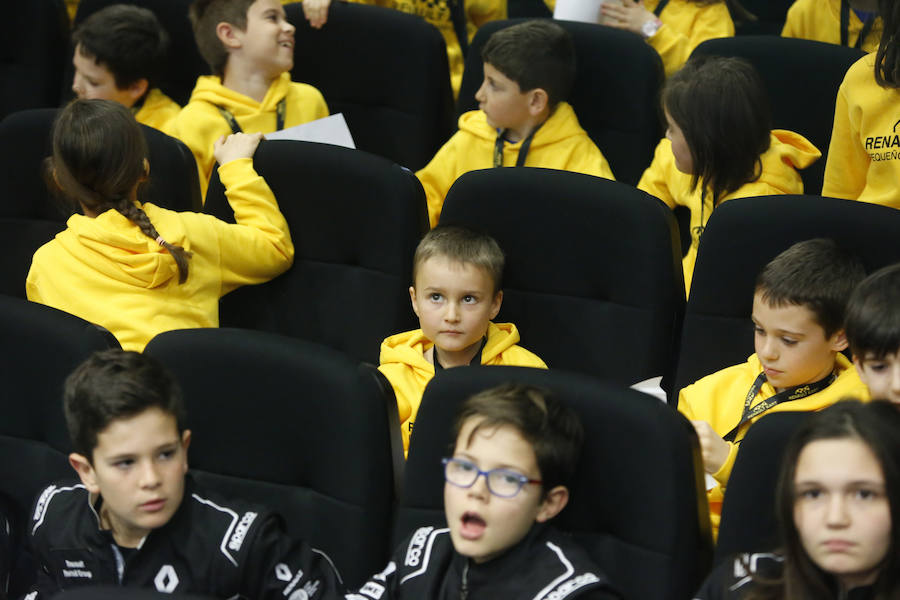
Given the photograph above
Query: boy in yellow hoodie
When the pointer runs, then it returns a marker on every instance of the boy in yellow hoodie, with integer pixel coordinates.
(249, 46)
(119, 54)
(798, 320)
(853, 23)
(523, 119)
(456, 292)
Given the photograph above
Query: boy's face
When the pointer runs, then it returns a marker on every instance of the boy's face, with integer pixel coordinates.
(138, 468)
(881, 375)
(791, 345)
(503, 103)
(454, 302)
(482, 525)
(93, 81)
(267, 43)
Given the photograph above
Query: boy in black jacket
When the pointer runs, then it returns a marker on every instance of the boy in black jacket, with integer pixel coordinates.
(137, 519)
(516, 448)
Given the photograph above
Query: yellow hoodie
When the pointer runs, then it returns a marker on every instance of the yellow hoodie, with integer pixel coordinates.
(685, 25)
(158, 111)
(403, 363)
(106, 271)
(200, 124)
(820, 20)
(560, 143)
(864, 155)
(788, 151)
(718, 399)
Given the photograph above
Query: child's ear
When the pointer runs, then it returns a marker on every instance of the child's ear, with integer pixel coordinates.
(554, 501)
(495, 304)
(228, 35)
(412, 299)
(137, 89)
(538, 100)
(839, 341)
(85, 472)
(185, 443)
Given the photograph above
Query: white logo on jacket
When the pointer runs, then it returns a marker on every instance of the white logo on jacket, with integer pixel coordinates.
(166, 580)
(240, 532)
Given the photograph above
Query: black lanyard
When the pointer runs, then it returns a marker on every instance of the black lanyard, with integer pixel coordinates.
(476, 360)
(523, 151)
(786, 395)
(702, 226)
(280, 109)
(845, 26)
(659, 7)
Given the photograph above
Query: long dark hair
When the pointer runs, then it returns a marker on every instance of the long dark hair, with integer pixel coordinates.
(722, 108)
(887, 58)
(99, 158)
(877, 425)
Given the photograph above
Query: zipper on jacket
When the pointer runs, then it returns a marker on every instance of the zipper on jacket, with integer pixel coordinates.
(464, 588)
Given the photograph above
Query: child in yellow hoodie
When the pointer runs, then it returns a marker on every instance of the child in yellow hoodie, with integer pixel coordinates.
(798, 319)
(138, 269)
(720, 144)
(523, 119)
(456, 292)
(249, 46)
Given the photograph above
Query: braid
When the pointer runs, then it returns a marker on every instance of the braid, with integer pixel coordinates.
(136, 215)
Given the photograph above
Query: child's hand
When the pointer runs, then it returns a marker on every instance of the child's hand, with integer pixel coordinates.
(316, 12)
(715, 449)
(629, 16)
(235, 146)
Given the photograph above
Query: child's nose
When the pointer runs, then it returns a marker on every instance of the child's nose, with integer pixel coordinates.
(837, 515)
(479, 95)
(289, 28)
(452, 313)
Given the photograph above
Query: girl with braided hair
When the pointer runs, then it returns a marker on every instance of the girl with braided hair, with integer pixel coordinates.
(139, 270)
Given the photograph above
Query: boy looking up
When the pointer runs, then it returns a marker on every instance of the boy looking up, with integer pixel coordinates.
(456, 291)
(138, 519)
(119, 54)
(873, 331)
(798, 317)
(249, 46)
(515, 454)
(523, 119)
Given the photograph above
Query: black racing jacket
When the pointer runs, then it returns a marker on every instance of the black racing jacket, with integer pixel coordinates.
(210, 546)
(733, 579)
(545, 565)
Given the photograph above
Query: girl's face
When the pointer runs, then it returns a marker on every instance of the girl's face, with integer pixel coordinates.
(841, 509)
(683, 160)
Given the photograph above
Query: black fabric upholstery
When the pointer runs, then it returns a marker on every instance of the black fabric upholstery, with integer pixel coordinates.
(183, 63)
(638, 508)
(770, 16)
(43, 346)
(802, 90)
(744, 234)
(355, 221)
(26, 467)
(296, 425)
(615, 95)
(21, 237)
(749, 523)
(386, 71)
(25, 141)
(33, 52)
(593, 276)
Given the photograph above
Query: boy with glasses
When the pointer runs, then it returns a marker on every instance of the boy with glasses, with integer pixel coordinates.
(516, 450)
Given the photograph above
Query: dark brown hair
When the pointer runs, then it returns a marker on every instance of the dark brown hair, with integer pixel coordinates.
(205, 16)
(99, 159)
(464, 246)
(552, 428)
(887, 57)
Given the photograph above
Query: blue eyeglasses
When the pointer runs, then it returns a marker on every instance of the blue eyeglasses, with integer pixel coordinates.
(500, 482)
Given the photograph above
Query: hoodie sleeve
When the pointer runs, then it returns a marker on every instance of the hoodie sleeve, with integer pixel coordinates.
(438, 175)
(686, 29)
(258, 247)
(848, 162)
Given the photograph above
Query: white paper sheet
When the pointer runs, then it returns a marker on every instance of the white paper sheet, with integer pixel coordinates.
(330, 130)
(586, 11)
